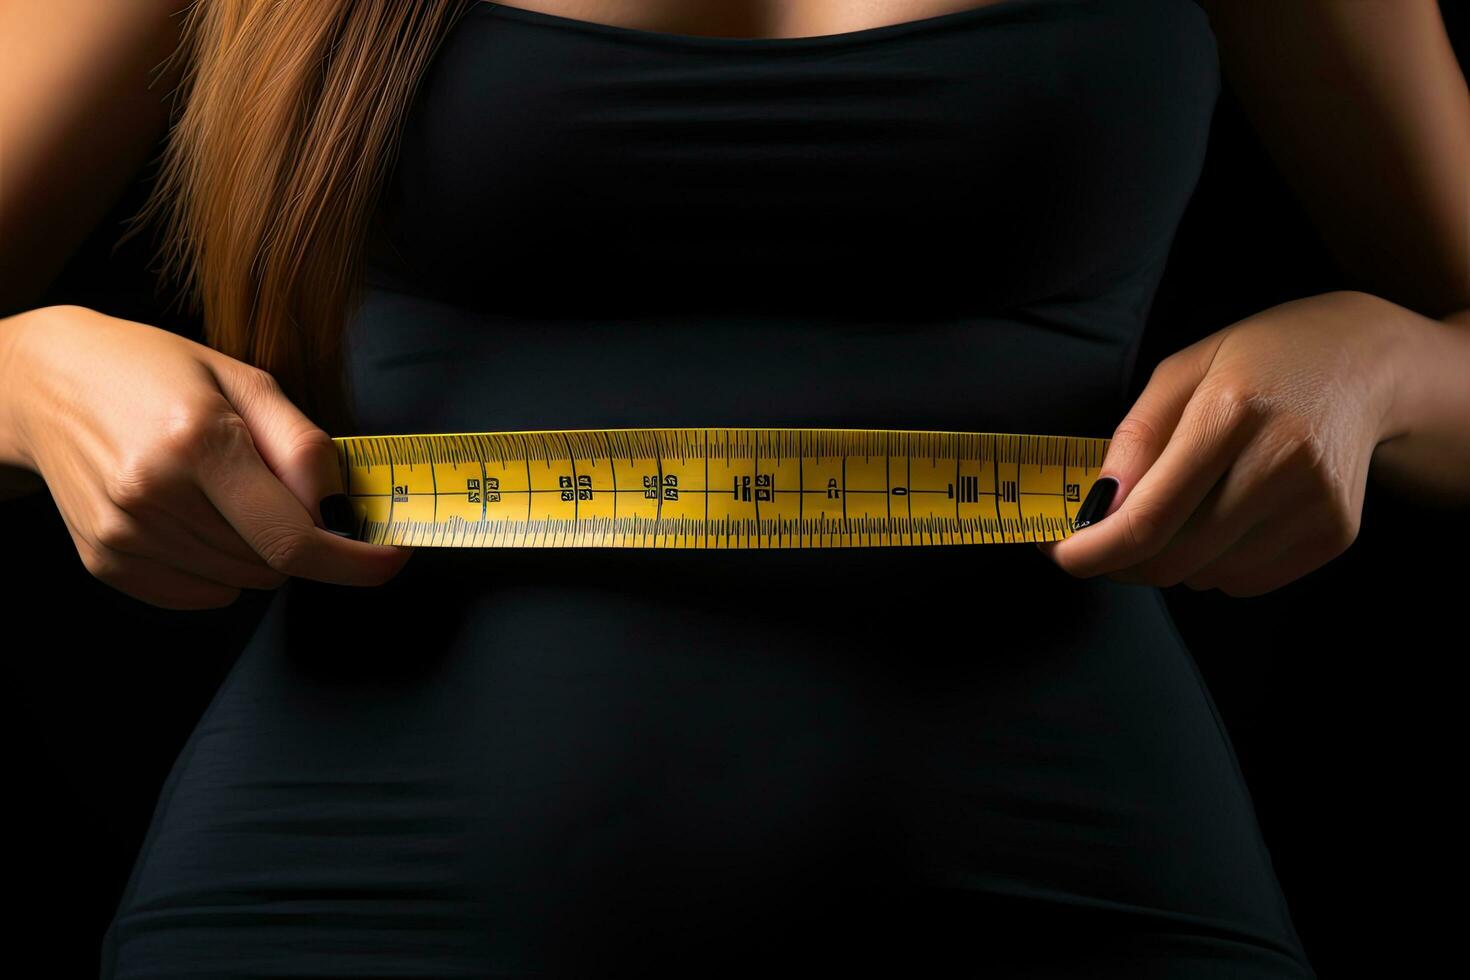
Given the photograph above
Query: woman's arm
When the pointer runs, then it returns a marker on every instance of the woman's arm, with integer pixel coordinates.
(1424, 450)
(17, 479)
(1365, 110)
(1243, 464)
(77, 121)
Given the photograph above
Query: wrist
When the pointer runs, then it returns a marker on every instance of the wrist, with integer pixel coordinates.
(1424, 362)
(15, 334)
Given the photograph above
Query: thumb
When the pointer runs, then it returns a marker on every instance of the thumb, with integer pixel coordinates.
(1140, 438)
(299, 452)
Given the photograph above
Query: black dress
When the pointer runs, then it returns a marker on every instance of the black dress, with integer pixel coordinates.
(602, 761)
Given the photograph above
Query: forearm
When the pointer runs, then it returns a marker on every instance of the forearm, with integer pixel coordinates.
(17, 477)
(1425, 451)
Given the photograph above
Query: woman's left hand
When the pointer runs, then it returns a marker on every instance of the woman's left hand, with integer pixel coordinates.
(1243, 464)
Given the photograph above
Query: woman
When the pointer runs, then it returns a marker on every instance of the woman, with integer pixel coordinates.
(567, 215)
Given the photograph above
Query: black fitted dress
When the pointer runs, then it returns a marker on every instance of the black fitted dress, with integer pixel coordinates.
(608, 761)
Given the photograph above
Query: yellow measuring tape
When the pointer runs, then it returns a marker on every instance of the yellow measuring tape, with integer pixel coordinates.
(715, 488)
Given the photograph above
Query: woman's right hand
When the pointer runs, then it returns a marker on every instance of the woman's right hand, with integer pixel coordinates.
(182, 474)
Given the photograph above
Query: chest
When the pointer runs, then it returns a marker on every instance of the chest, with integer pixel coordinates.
(1007, 152)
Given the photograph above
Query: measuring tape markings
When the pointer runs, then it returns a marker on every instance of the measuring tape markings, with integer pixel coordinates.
(672, 465)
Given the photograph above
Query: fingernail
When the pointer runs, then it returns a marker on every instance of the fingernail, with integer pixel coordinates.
(338, 518)
(1096, 504)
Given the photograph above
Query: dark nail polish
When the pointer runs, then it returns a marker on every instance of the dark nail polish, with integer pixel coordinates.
(337, 515)
(1096, 504)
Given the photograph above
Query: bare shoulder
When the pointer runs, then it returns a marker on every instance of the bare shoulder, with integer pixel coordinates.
(85, 99)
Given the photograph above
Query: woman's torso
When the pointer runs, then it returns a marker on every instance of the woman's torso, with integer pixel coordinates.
(558, 755)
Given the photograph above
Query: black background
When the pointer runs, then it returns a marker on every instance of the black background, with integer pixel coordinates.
(1336, 689)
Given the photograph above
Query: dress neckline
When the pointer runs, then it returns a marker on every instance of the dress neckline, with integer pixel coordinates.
(864, 35)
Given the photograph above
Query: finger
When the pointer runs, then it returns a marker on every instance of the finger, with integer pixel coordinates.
(195, 510)
(1296, 560)
(1174, 445)
(186, 505)
(1271, 554)
(167, 541)
(271, 518)
(1135, 444)
(1298, 540)
(1253, 491)
(300, 454)
(153, 582)
(1196, 458)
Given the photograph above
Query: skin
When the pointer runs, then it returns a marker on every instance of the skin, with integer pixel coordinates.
(1244, 462)
(749, 18)
(1242, 466)
(183, 475)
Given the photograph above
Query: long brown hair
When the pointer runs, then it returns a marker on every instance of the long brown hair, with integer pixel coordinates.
(284, 124)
